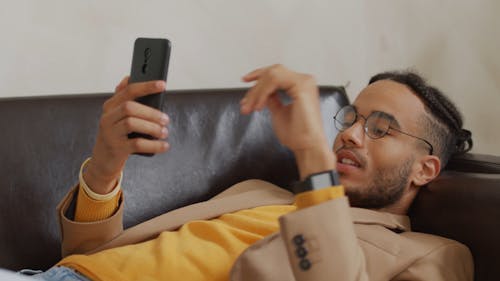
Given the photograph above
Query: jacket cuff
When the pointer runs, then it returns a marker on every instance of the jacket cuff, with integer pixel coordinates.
(321, 242)
(82, 237)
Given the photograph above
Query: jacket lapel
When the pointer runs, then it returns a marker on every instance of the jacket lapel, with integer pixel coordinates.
(388, 220)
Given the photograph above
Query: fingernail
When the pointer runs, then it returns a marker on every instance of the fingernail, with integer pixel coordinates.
(164, 132)
(160, 84)
(164, 119)
(244, 109)
(165, 145)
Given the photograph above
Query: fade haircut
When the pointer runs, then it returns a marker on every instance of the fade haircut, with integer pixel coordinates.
(442, 123)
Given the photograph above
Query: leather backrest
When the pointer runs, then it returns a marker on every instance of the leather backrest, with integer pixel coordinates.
(464, 204)
(45, 139)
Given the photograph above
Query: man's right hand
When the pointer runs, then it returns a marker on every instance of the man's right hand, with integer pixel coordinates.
(122, 115)
(298, 125)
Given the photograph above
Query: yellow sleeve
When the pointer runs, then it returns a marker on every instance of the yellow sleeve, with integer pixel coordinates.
(88, 209)
(311, 198)
(94, 207)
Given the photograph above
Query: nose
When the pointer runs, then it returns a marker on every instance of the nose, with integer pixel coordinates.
(354, 135)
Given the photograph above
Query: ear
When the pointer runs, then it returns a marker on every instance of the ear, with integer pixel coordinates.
(428, 168)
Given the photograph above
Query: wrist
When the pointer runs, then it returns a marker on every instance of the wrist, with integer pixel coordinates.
(97, 181)
(315, 160)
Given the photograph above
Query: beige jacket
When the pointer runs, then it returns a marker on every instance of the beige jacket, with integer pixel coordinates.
(330, 241)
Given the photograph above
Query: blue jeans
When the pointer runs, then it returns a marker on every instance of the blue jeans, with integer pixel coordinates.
(58, 273)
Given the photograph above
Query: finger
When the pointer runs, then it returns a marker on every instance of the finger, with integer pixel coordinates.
(257, 95)
(247, 103)
(138, 110)
(274, 103)
(122, 84)
(135, 90)
(252, 76)
(132, 124)
(140, 145)
(265, 90)
(250, 100)
(269, 80)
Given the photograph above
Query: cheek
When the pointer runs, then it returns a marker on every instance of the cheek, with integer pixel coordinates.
(337, 143)
(382, 153)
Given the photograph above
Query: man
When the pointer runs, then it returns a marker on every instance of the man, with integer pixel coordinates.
(394, 139)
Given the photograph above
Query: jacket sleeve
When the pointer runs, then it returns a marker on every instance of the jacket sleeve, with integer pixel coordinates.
(322, 244)
(82, 237)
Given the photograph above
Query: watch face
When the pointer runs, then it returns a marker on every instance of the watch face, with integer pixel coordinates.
(321, 181)
(317, 181)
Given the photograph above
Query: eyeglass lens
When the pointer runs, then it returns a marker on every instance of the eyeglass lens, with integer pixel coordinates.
(376, 124)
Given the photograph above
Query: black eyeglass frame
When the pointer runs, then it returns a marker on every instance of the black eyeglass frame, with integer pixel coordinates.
(365, 127)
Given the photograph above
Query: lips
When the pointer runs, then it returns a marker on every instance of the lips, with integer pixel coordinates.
(347, 159)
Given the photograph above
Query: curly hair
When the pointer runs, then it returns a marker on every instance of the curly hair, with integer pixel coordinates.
(442, 123)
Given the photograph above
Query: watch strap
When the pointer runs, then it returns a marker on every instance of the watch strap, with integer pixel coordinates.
(317, 181)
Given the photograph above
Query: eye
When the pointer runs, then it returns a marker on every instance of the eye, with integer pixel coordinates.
(377, 126)
(345, 118)
(349, 118)
(377, 132)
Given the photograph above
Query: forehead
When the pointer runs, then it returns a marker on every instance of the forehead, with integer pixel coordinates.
(390, 97)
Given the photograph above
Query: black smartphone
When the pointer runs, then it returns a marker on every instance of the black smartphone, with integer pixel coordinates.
(150, 62)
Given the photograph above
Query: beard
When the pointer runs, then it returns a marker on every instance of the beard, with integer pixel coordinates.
(387, 187)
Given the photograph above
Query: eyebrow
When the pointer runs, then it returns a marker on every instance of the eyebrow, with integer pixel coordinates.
(391, 117)
(394, 121)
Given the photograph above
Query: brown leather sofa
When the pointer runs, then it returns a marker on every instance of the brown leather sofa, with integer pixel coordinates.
(45, 139)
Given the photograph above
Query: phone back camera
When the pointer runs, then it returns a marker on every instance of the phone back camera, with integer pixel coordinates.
(144, 68)
(147, 54)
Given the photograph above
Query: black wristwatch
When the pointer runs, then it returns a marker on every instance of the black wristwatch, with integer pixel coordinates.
(317, 181)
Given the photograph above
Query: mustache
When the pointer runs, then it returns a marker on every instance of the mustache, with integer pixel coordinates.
(359, 157)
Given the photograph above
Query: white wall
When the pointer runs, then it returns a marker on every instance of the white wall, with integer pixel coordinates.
(56, 47)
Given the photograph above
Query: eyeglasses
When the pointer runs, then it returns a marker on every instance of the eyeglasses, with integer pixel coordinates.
(377, 124)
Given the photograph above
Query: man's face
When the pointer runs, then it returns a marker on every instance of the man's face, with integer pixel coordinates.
(377, 172)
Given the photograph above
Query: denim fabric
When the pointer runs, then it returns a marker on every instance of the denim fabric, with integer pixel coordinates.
(60, 273)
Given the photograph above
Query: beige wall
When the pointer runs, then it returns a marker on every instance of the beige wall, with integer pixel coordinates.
(85, 46)
(455, 44)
